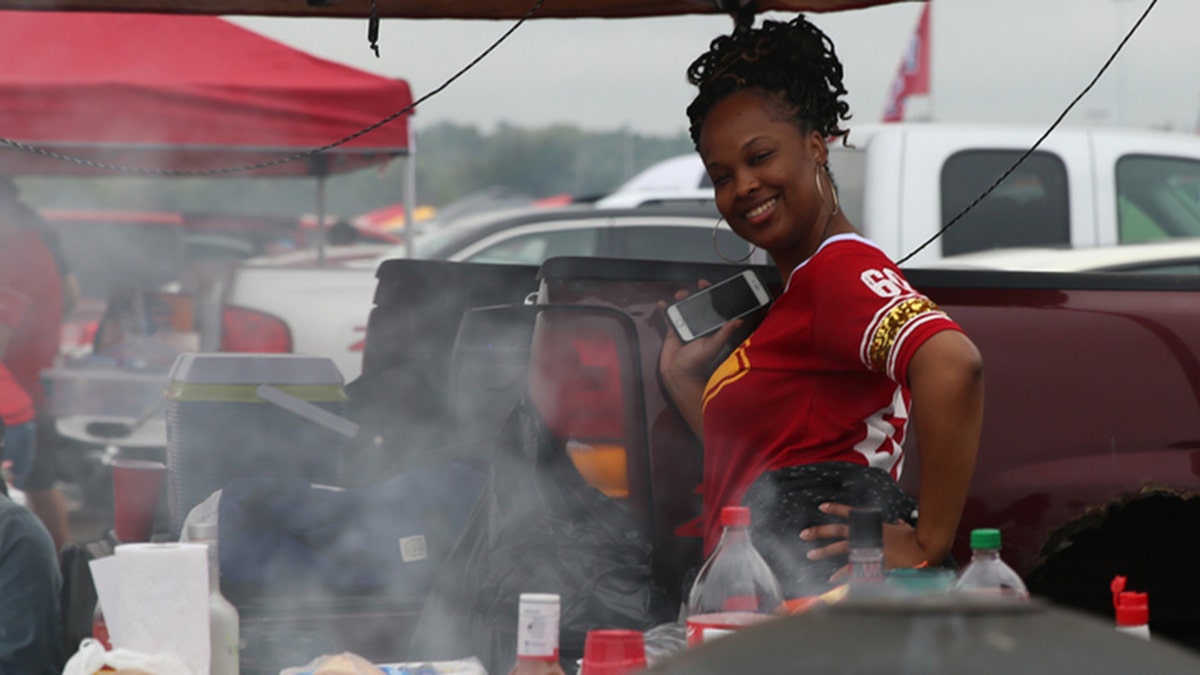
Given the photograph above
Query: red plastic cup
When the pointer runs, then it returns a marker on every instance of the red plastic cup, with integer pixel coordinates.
(613, 652)
(136, 485)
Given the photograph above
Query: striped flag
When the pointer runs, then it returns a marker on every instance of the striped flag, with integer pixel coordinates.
(913, 78)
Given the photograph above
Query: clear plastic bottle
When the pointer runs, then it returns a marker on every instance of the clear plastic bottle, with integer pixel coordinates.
(735, 587)
(537, 635)
(987, 574)
(1132, 610)
(224, 632)
(866, 547)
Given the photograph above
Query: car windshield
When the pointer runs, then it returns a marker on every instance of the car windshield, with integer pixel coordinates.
(428, 243)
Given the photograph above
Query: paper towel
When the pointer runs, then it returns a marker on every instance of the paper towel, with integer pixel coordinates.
(160, 603)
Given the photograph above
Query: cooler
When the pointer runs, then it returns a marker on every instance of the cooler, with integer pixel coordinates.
(218, 428)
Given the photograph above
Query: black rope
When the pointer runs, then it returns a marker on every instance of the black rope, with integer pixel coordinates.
(1038, 143)
(743, 16)
(373, 28)
(42, 152)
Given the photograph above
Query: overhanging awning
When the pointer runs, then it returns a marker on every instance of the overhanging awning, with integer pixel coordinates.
(436, 9)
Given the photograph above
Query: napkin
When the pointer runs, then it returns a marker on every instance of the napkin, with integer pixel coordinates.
(155, 600)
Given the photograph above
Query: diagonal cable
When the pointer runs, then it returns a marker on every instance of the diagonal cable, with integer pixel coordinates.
(1039, 141)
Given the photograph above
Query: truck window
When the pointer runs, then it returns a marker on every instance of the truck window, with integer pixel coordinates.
(687, 244)
(533, 248)
(1157, 198)
(1030, 208)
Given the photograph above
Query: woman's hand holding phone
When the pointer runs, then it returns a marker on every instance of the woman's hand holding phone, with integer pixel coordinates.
(686, 367)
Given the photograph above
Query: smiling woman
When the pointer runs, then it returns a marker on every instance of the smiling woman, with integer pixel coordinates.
(807, 417)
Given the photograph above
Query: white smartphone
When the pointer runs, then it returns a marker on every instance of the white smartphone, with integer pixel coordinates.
(707, 310)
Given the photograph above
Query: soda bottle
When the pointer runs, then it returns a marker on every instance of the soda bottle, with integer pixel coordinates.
(224, 629)
(866, 546)
(537, 635)
(987, 574)
(866, 553)
(1133, 610)
(735, 587)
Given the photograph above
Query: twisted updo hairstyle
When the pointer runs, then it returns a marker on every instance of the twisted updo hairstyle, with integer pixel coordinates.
(794, 62)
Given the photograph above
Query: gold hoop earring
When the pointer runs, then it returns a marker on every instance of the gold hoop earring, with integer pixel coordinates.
(717, 248)
(837, 206)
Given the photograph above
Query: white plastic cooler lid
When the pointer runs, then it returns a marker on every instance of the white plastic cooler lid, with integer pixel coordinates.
(237, 368)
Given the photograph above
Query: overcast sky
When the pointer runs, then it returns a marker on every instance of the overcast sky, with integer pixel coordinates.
(1016, 60)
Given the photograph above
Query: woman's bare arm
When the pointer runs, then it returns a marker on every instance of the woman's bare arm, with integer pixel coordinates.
(946, 380)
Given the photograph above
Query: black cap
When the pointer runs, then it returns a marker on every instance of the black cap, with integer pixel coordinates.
(866, 528)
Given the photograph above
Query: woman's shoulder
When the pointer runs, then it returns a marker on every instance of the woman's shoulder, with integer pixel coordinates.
(845, 255)
(841, 248)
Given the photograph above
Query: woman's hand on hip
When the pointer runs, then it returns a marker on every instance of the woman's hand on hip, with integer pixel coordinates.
(900, 545)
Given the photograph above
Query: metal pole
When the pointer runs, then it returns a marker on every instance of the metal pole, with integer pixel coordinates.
(320, 229)
(410, 191)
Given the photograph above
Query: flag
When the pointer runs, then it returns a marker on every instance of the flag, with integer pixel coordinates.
(913, 77)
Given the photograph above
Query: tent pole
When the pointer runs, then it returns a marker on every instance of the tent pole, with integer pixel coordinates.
(410, 191)
(320, 229)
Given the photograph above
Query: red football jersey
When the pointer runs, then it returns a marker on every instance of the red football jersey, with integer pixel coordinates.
(27, 267)
(823, 378)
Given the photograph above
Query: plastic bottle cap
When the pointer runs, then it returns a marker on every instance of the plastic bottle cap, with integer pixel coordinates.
(1133, 609)
(866, 528)
(202, 531)
(985, 538)
(613, 652)
(735, 516)
(539, 598)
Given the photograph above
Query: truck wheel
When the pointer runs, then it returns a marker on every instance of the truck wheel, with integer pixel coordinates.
(1149, 537)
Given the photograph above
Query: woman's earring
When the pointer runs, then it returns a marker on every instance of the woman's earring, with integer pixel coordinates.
(837, 206)
(717, 247)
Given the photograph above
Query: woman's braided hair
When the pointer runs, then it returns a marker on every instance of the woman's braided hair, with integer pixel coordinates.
(795, 61)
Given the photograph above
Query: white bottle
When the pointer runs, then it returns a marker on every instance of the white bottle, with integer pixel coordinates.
(223, 616)
(1133, 610)
(987, 574)
(537, 635)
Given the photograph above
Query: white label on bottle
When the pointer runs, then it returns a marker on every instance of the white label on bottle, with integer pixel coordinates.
(537, 629)
(714, 633)
(413, 548)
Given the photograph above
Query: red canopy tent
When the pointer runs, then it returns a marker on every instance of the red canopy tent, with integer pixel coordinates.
(184, 93)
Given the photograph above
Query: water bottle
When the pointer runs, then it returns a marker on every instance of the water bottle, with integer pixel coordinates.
(987, 574)
(224, 630)
(735, 587)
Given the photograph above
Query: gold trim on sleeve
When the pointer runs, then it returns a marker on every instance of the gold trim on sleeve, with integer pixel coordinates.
(891, 326)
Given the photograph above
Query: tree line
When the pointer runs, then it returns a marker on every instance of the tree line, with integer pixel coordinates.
(453, 161)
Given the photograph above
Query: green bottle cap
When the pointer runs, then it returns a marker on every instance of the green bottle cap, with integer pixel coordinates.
(985, 538)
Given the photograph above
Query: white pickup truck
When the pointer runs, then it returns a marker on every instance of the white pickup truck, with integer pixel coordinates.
(899, 183)
(1082, 187)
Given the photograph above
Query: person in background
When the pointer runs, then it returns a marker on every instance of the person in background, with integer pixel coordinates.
(28, 267)
(31, 639)
(807, 417)
(16, 407)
